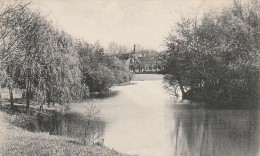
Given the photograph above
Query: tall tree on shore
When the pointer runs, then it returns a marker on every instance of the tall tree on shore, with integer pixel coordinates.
(11, 22)
(36, 57)
(216, 59)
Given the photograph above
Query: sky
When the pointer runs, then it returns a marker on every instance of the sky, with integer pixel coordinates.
(126, 22)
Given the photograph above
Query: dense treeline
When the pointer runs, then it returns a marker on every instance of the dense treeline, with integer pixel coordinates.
(216, 58)
(49, 65)
(101, 71)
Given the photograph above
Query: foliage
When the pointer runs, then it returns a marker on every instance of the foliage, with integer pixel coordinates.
(100, 71)
(120, 69)
(216, 58)
(114, 48)
(37, 57)
(50, 65)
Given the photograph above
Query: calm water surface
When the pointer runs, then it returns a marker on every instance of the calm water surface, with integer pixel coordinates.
(142, 119)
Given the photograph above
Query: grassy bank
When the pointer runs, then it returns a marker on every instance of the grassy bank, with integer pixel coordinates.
(147, 77)
(15, 140)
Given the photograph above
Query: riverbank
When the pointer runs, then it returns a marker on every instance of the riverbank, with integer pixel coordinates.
(15, 140)
(147, 77)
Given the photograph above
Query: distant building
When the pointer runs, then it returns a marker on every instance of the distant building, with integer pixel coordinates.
(133, 61)
(140, 63)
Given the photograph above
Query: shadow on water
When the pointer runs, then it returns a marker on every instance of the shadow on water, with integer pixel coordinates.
(201, 132)
(70, 125)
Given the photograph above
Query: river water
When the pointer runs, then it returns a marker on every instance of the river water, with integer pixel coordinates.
(143, 119)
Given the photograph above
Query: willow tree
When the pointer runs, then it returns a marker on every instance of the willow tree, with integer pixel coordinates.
(56, 70)
(11, 56)
(38, 58)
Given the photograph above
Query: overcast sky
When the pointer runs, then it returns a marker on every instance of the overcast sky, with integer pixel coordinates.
(145, 22)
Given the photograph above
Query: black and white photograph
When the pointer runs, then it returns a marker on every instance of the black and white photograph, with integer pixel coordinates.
(129, 77)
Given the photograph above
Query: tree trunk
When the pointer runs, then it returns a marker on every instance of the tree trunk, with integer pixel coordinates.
(11, 98)
(52, 97)
(48, 98)
(181, 87)
(182, 90)
(27, 100)
(0, 97)
(27, 96)
(60, 100)
(85, 135)
(41, 107)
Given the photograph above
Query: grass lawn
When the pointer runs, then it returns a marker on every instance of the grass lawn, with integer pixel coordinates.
(17, 141)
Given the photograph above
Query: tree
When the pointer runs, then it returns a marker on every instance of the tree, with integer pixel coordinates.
(114, 48)
(38, 58)
(216, 59)
(100, 70)
(11, 22)
(91, 116)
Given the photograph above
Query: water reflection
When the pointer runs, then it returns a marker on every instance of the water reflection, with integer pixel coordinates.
(142, 119)
(70, 125)
(200, 132)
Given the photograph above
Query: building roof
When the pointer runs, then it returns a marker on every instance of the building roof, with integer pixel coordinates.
(124, 56)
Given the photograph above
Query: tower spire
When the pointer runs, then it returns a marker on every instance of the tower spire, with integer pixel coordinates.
(134, 49)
